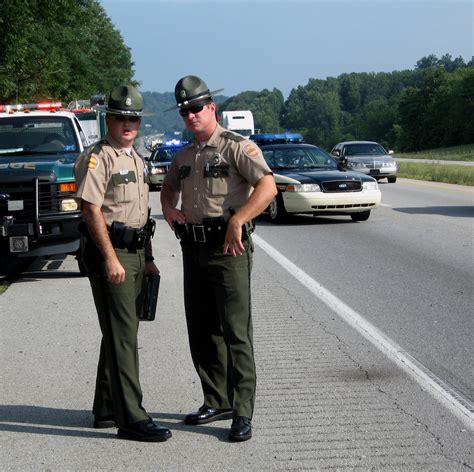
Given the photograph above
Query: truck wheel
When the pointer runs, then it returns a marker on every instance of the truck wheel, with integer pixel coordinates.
(361, 216)
(391, 180)
(277, 209)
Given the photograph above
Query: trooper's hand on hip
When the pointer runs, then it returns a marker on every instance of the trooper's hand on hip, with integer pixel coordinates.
(233, 239)
(173, 216)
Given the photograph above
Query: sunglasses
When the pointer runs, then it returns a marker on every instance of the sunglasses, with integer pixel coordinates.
(194, 110)
(132, 119)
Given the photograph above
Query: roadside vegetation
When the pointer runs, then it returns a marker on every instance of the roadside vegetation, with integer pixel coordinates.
(450, 174)
(454, 153)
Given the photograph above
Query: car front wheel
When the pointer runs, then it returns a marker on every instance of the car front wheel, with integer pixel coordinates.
(361, 216)
(277, 209)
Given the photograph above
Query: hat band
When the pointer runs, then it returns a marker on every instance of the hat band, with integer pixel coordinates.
(123, 112)
(200, 96)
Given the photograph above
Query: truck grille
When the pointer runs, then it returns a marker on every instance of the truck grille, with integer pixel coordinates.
(25, 191)
(342, 186)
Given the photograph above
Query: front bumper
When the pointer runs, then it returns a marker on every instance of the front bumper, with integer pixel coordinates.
(311, 202)
(53, 235)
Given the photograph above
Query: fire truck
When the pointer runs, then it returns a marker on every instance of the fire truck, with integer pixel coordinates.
(39, 143)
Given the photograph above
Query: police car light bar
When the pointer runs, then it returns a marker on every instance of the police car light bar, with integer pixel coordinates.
(52, 106)
(277, 138)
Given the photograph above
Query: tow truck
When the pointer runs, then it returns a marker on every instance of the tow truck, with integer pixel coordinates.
(39, 143)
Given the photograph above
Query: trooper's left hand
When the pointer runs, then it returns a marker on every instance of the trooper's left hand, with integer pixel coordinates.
(233, 238)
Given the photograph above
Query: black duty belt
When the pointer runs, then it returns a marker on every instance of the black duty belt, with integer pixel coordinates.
(211, 231)
(126, 237)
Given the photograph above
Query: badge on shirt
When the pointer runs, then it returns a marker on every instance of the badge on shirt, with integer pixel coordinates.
(251, 150)
(93, 162)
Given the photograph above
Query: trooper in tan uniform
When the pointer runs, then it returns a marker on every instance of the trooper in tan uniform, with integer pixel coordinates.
(116, 249)
(224, 183)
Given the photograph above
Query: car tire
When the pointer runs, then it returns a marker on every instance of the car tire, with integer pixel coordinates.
(277, 209)
(361, 216)
(391, 180)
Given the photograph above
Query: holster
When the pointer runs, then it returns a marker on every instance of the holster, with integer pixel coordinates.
(89, 255)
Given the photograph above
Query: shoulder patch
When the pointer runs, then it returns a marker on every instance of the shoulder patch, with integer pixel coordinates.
(251, 150)
(233, 136)
(93, 162)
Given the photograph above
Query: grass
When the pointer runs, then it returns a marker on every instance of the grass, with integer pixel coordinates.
(455, 153)
(450, 174)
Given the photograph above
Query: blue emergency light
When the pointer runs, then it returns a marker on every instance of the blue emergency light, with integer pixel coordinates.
(277, 138)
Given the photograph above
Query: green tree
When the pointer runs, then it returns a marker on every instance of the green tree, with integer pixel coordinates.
(266, 107)
(62, 50)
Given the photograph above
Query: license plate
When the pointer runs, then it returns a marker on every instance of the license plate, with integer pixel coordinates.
(374, 172)
(19, 244)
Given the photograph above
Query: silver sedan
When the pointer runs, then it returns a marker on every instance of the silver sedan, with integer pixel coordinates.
(367, 157)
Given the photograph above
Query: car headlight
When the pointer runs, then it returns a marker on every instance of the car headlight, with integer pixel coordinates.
(390, 164)
(158, 170)
(370, 185)
(355, 164)
(303, 188)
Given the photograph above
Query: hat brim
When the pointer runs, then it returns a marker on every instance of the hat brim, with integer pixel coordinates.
(114, 111)
(190, 103)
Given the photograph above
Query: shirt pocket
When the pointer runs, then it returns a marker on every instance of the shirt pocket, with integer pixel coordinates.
(219, 177)
(124, 183)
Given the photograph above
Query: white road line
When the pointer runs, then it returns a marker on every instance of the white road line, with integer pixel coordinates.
(458, 405)
(385, 205)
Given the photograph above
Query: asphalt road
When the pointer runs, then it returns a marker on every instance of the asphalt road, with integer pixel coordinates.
(409, 270)
(327, 397)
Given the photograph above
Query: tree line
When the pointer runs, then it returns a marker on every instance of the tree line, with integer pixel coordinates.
(427, 107)
(61, 50)
(70, 49)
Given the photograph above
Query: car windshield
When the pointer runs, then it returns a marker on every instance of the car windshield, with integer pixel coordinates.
(164, 154)
(364, 149)
(37, 134)
(298, 157)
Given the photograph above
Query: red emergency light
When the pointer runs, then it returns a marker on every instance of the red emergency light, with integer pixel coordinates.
(26, 107)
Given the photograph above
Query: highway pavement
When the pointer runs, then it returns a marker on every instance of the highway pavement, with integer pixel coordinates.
(328, 397)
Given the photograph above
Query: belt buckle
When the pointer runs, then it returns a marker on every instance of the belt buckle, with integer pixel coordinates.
(199, 235)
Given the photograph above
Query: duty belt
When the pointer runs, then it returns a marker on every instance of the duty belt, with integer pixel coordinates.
(211, 231)
(126, 237)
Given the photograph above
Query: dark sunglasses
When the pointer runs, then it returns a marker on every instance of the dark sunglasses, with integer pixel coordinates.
(132, 119)
(194, 110)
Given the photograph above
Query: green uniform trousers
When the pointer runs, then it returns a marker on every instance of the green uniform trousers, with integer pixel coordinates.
(218, 314)
(118, 392)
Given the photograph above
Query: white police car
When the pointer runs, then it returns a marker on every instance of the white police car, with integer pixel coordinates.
(310, 181)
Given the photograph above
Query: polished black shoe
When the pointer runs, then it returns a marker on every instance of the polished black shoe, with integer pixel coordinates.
(206, 415)
(145, 430)
(101, 422)
(241, 429)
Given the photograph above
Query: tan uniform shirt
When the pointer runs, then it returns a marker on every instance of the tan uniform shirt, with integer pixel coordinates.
(217, 175)
(114, 181)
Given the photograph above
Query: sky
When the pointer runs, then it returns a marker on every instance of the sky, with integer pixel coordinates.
(241, 45)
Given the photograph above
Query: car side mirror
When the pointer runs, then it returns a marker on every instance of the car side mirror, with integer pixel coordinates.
(336, 153)
(390, 152)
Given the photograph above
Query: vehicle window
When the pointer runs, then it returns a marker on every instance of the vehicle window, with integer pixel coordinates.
(299, 157)
(164, 154)
(37, 134)
(363, 149)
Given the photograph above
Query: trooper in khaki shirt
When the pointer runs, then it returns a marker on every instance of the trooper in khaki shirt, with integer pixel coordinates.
(220, 174)
(223, 182)
(116, 252)
(112, 178)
